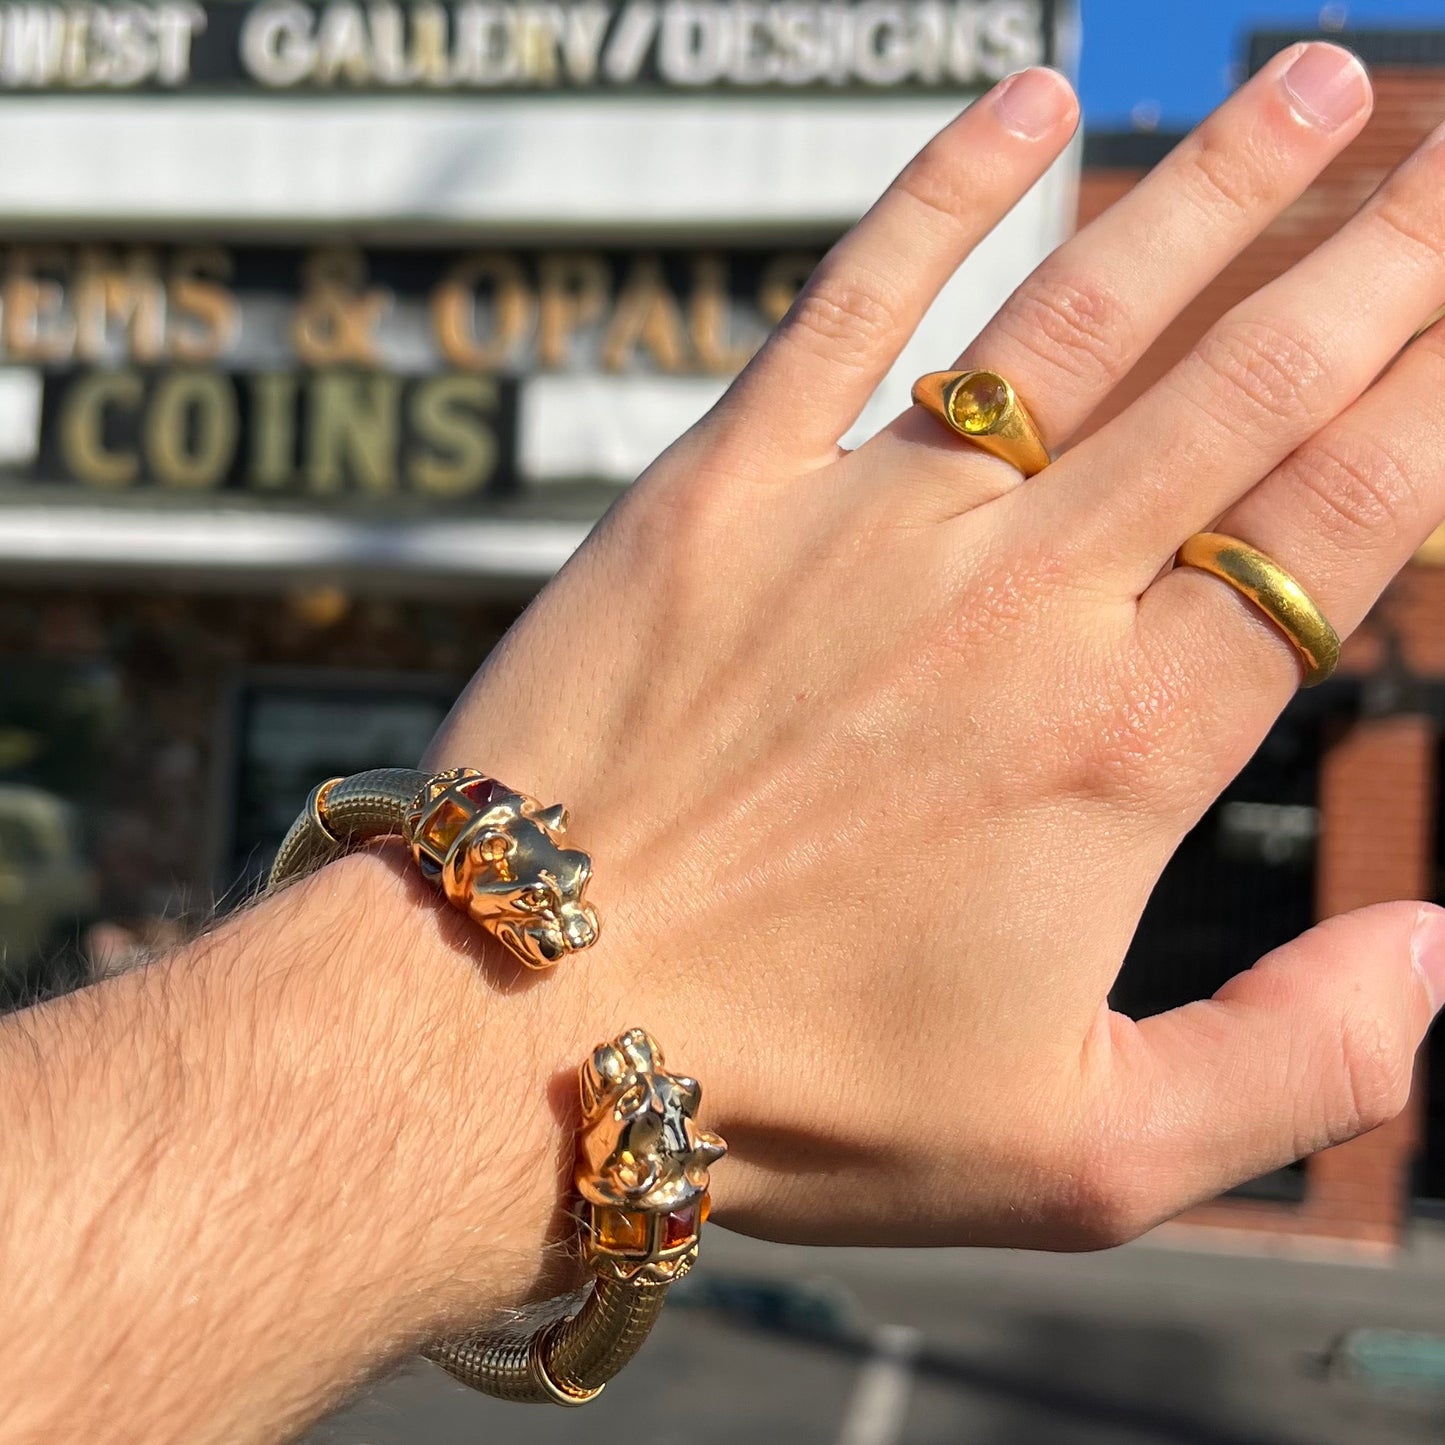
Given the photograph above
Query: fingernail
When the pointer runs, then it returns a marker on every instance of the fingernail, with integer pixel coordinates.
(1032, 102)
(1327, 86)
(1427, 947)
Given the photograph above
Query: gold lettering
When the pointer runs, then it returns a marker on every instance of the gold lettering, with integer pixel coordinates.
(535, 33)
(33, 326)
(783, 277)
(647, 316)
(190, 429)
(125, 291)
(204, 315)
(450, 413)
(335, 319)
(708, 312)
(429, 44)
(454, 311)
(572, 293)
(352, 432)
(82, 428)
(272, 431)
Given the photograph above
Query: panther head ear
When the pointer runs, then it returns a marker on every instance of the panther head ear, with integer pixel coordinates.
(640, 1050)
(553, 818)
(598, 1075)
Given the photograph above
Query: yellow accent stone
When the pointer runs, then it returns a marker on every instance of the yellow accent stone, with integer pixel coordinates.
(618, 1229)
(978, 404)
(444, 825)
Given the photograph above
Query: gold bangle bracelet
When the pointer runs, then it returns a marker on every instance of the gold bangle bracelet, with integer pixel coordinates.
(642, 1164)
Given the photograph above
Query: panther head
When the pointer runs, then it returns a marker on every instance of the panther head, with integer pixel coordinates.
(499, 856)
(639, 1149)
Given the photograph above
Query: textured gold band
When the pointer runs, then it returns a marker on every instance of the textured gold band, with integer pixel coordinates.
(1274, 591)
(983, 408)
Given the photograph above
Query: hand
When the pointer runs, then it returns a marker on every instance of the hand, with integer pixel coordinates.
(879, 754)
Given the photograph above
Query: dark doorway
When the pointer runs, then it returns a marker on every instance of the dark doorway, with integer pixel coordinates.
(1241, 883)
(1429, 1180)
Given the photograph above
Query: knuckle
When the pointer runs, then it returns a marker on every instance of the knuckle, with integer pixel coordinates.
(1109, 1201)
(836, 312)
(1078, 326)
(1354, 486)
(1134, 742)
(1223, 175)
(1376, 1072)
(1411, 209)
(1275, 372)
(930, 183)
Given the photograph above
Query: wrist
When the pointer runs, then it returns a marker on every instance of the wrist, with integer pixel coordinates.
(455, 1078)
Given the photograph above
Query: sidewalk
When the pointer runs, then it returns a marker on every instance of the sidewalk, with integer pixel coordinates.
(1141, 1346)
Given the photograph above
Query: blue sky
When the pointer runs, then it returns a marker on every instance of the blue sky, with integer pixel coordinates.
(1177, 55)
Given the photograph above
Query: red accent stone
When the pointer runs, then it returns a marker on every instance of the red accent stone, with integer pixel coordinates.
(481, 793)
(679, 1227)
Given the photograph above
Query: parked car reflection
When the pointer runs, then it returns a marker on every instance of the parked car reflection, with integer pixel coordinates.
(47, 890)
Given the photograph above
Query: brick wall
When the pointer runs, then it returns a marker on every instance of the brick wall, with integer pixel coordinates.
(1378, 785)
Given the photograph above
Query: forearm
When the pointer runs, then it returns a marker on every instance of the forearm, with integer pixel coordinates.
(242, 1176)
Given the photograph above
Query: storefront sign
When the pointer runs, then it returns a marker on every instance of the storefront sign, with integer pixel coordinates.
(520, 45)
(325, 435)
(513, 312)
(346, 374)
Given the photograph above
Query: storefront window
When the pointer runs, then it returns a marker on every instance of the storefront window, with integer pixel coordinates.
(293, 734)
(1242, 883)
(57, 728)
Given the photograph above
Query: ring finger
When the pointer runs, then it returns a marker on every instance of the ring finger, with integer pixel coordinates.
(1344, 513)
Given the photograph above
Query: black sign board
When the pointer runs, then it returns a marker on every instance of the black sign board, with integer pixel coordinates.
(505, 311)
(328, 435)
(342, 375)
(474, 46)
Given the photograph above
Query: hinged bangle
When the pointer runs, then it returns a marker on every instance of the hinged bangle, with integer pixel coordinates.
(642, 1163)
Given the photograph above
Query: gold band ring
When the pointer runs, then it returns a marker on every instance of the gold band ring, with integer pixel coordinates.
(1274, 592)
(984, 409)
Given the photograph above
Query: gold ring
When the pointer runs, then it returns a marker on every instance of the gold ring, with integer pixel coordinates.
(984, 409)
(1274, 592)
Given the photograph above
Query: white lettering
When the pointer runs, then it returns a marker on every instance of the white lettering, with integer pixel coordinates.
(880, 44)
(586, 29)
(1013, 37)
(631, 40)
(176, 27)
(388, 45)
(341, 45)
(34, 39)
(694, 43)
(277, 43)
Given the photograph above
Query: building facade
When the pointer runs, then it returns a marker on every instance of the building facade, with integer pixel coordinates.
(1340, 807)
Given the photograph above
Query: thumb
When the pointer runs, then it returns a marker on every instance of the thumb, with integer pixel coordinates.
(1312, 1046)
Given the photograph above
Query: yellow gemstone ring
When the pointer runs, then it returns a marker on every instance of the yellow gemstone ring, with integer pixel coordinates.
(984, 409)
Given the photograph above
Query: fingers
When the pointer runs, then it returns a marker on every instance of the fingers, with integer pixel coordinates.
(1312, 1046)
(1082, 321)
(1275, 370)
(808, 384)
(1344, 513)
(1079, 324)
